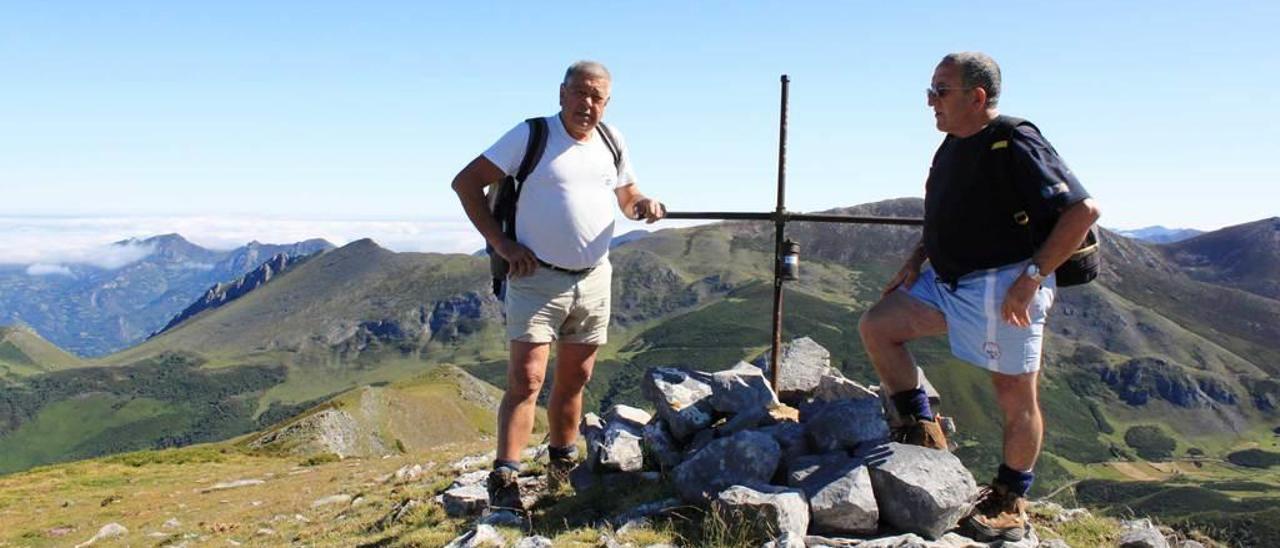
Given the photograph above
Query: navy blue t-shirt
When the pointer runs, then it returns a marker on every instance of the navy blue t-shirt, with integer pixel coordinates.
(969, 214)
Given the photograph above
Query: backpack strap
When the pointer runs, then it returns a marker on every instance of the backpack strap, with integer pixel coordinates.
(1003, 170)
(533, 150)
(611, 142)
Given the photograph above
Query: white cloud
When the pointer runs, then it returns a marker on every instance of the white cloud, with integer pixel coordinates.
(58, 241)
(48, 269)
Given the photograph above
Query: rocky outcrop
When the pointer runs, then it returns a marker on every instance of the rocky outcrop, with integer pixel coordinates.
(1139, 380)
(222, 293)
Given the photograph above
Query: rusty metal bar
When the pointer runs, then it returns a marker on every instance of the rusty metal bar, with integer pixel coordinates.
(779, 234)
(793, 217)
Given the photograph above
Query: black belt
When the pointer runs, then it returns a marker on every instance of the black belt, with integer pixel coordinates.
(577, 272)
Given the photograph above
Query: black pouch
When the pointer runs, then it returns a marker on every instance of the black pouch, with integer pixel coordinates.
(1083, 265)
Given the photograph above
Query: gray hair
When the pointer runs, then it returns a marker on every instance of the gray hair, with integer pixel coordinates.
(588, 69)
(977, 69)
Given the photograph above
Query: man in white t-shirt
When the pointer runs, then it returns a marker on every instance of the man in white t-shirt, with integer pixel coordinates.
(559, 280)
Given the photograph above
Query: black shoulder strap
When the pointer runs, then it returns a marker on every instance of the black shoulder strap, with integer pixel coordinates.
(533, 149)
(1003, 128)
(609, 141)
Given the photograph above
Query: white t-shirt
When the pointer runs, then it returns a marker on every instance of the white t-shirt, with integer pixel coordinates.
(566, 210)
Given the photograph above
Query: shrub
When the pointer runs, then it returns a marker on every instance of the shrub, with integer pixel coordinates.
(1150, 442)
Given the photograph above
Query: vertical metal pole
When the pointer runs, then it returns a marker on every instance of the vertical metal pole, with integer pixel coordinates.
(779, 226)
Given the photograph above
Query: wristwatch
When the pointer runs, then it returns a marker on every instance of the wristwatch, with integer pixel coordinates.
(1033, 272)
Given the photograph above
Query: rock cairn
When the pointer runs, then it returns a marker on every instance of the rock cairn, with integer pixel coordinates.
(809, 465)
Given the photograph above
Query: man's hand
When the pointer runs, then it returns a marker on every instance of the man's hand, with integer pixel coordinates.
(522, 261)
(906, 277)
(650, 210)
(1016, 309)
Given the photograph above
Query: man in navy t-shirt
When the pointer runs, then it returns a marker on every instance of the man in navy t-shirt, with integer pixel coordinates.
(988, 281)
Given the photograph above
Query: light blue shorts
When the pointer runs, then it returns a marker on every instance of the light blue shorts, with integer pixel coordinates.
(977, 333)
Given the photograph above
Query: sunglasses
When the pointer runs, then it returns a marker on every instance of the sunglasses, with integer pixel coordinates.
(934, 92)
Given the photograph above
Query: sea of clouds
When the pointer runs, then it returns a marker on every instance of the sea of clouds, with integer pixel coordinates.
(47, 245)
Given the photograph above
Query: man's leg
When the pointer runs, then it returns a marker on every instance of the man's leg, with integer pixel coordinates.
(1002, 511)
(1018, 397)
(525, 374)
(574, 363)
(886, 328)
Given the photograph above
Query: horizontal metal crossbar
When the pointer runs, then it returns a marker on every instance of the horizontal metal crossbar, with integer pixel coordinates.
(794, 217)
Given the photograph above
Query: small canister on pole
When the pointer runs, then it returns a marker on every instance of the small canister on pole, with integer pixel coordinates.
(790, 260)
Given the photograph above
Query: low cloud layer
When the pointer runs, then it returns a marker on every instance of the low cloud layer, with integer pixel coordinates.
(46, 245)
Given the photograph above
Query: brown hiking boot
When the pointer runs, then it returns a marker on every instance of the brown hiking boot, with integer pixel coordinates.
(558, 474)
(504, 489)
(999, 514)
(922, 432)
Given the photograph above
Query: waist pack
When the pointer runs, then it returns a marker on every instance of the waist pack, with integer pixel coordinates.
(1086, 262)
(504, 195)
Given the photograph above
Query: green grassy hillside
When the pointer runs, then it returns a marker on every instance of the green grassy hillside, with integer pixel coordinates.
(23, 352)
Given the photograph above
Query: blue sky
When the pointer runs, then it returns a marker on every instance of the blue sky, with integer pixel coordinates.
(288, 113)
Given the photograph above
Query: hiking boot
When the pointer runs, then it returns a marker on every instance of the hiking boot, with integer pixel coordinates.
(504, 489)
(558, 474)
(922, 432)
(999, 514)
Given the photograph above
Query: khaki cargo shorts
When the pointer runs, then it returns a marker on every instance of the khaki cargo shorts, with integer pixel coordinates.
(549, 305)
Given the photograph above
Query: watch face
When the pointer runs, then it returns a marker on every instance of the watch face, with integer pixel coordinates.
(1033, 271)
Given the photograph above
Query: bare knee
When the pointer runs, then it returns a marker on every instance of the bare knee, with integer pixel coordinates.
(870, 325)
(1017, 394)
(524, 386)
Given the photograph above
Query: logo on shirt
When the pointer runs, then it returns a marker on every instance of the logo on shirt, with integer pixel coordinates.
(992, 350)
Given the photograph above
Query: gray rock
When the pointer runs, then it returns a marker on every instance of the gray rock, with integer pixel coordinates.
(818, 541)
(847, 424)
(407, 473)
(625, 413)
(470, 478)
(841, 499)
(483, 536)
(804, 362)
(919, 490)
(769, 511)
(645, 511)
(1141, 533)
(787, 540)
(660, 445)
(332, 499)
(1056, 543)
(467, 500)
(790, 437)
(537, 541)
(835, 387)
(681, 397)
(741, 390)
(956, 540)
(799, 469)
(502, 518)
(108, 531)
(474, 461)
(1188, 544)
(620, 448)
(908, 540)
(592, 430)
(746, 458)
(231, 485)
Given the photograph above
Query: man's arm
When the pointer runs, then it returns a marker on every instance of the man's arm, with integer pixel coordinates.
(906, 276)
(470, 184)
(1065, 238)
(636, 206)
